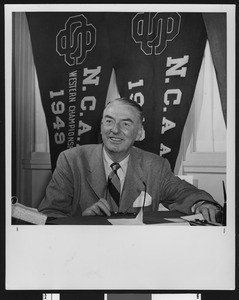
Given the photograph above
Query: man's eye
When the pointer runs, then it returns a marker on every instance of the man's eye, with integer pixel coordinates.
(108, 122)
(126, 124)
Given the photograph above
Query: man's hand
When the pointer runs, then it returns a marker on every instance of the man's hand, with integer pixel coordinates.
(98, 209)
(208, 210)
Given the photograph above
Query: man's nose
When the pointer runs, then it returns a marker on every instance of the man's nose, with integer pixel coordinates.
(116, 128)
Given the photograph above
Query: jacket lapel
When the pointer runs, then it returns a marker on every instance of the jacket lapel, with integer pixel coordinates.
(133, 184)
(96, 172)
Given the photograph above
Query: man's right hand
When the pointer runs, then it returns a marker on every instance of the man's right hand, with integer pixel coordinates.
(99, 208)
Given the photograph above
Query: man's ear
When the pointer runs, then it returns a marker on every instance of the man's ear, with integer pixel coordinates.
(141, 134)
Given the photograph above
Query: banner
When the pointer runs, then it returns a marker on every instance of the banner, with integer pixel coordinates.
(156, 57)
(71, 53)
(216, 26)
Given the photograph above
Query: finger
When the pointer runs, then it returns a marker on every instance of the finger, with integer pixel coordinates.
(96, 209)
(104, 207)
(99, 208)
(105, 202)
(214, 211)
(92, 211)
(198, 206)
(205, 213)
(212, 214)
(88, 212)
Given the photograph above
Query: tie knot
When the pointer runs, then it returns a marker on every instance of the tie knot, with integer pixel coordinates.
(115, 166)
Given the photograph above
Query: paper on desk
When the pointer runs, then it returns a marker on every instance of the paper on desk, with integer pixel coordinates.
(125, 222)
(138, 220)
(193, 217)
(183, 220)
(28, 214)
(175, 220)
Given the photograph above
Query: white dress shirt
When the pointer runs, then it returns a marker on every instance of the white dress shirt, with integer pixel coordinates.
(121, 171)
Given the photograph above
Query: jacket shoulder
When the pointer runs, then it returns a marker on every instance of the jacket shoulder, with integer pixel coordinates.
(150, 158)
(147, 155)
(80, 151)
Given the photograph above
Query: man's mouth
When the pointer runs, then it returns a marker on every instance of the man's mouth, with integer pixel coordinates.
(115, 139)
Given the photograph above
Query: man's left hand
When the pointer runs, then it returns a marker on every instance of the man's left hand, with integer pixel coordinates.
(209, 211)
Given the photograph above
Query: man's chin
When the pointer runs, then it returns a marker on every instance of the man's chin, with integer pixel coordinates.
(114, 148)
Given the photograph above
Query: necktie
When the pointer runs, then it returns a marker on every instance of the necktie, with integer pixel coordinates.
(114, 183)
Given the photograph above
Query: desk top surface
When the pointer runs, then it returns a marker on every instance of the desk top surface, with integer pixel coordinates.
(149, 218)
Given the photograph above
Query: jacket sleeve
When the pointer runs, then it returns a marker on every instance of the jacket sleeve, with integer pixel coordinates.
(59, 192)
(177, 194)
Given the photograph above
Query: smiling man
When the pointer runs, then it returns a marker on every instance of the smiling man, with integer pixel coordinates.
(115, 176)
(121, 126)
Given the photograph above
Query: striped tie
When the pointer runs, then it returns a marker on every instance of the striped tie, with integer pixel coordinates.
(114, 183)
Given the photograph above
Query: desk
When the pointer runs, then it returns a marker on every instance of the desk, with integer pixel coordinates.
(149, 218)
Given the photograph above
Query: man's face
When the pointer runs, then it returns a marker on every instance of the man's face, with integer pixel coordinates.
(120, 128)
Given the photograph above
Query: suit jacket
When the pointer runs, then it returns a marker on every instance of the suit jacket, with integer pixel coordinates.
(79, 181)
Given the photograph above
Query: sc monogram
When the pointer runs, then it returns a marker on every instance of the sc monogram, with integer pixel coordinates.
(153, 31)
(75, 40)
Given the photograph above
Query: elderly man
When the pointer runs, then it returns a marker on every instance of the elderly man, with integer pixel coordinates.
(115, 176)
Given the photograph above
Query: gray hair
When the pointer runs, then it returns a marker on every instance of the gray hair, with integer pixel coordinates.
(130, 102)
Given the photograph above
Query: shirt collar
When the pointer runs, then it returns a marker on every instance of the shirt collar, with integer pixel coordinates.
(123, 163)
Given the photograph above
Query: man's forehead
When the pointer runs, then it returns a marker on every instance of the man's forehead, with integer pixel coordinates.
(118, 108)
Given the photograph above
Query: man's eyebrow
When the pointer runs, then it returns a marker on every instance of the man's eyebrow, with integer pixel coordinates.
(126, 119)
(107, 116)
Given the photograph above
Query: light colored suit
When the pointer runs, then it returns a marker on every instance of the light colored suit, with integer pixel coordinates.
(79, 181)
